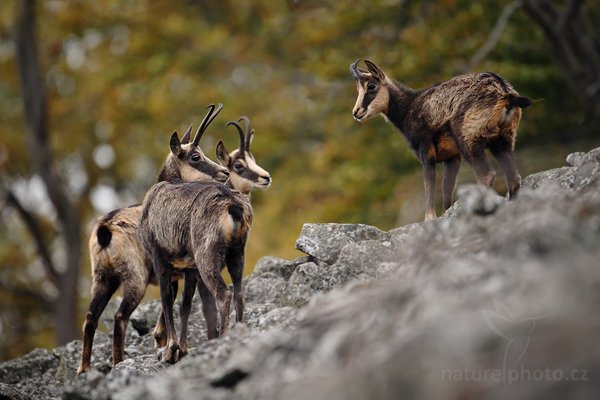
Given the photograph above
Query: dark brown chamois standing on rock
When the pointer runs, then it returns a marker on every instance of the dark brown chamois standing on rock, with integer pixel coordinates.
(245, 176)
(116, 254)
(463, 115)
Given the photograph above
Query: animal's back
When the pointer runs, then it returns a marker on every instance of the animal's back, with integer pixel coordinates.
(453, 98)
(222, 214)
(163, 222)
(114, 248)
(176, 215)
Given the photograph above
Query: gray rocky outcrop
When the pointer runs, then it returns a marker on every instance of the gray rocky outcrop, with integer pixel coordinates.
(496, 299)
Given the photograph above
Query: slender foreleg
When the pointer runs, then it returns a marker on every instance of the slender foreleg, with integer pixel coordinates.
(189, 287)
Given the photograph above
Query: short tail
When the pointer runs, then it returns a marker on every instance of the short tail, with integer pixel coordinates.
(236, 212)
(104, 235)
(520, 101)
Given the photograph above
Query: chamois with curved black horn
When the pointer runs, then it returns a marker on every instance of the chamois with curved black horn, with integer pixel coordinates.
(116, 254)
(461, 116)
(245, 176)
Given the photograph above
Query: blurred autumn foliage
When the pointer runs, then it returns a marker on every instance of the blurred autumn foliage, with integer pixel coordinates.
(121, 76)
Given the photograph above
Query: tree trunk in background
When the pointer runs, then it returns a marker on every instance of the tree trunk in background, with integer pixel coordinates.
(574, 45)
(34, 97)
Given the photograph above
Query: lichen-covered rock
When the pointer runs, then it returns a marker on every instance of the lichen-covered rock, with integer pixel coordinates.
(144, 318)
(478, 200)
(369, 259)
(582, 170)
(579, 158)
(325, 241)
(497, 299)
(8, 392)
(29, 366)
(278, 266)
(307, 279)
(268, 281)
(564, 176)
(263, 288)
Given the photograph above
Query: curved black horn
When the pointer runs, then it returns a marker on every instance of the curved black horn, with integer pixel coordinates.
(210, 116)
(199, 132)
(248, 130)
(241, 132)
(356, 73)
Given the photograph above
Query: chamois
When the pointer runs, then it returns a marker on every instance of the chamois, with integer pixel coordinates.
(245, 176)
(462, 115)
(116, 254)
(195, 224)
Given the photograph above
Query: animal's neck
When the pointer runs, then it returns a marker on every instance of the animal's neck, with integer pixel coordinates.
(400, 100)
(243, 192)
(168, 174)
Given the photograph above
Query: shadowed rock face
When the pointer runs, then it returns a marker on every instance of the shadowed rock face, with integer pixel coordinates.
(494, 300)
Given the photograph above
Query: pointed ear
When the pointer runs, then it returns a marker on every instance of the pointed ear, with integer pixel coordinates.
(375, 70)
(175, 145)
(222, 154)
(186, 138)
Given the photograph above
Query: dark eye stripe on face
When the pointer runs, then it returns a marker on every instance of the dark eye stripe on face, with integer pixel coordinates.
(211, 169)
(205, 166)
(368, 98)
(250, 175)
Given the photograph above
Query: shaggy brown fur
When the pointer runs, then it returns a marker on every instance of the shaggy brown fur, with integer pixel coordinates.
(196, 226)
(461, 116)
(116, 254)
(245, 176)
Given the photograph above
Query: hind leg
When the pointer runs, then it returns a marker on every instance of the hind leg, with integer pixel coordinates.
(209, 309)
(210, 273)
(427, 157)
(506, 159)
(102, 291)
(451, 167)
(189, 287)
(163, 272)
(133, 294)
(235, 266)
(473, 150)
(483, 169)
(159, 333)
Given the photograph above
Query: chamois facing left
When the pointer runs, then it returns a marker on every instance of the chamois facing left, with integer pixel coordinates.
(245, 176)
(194, 226)
(461, 116)
(117, 256)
